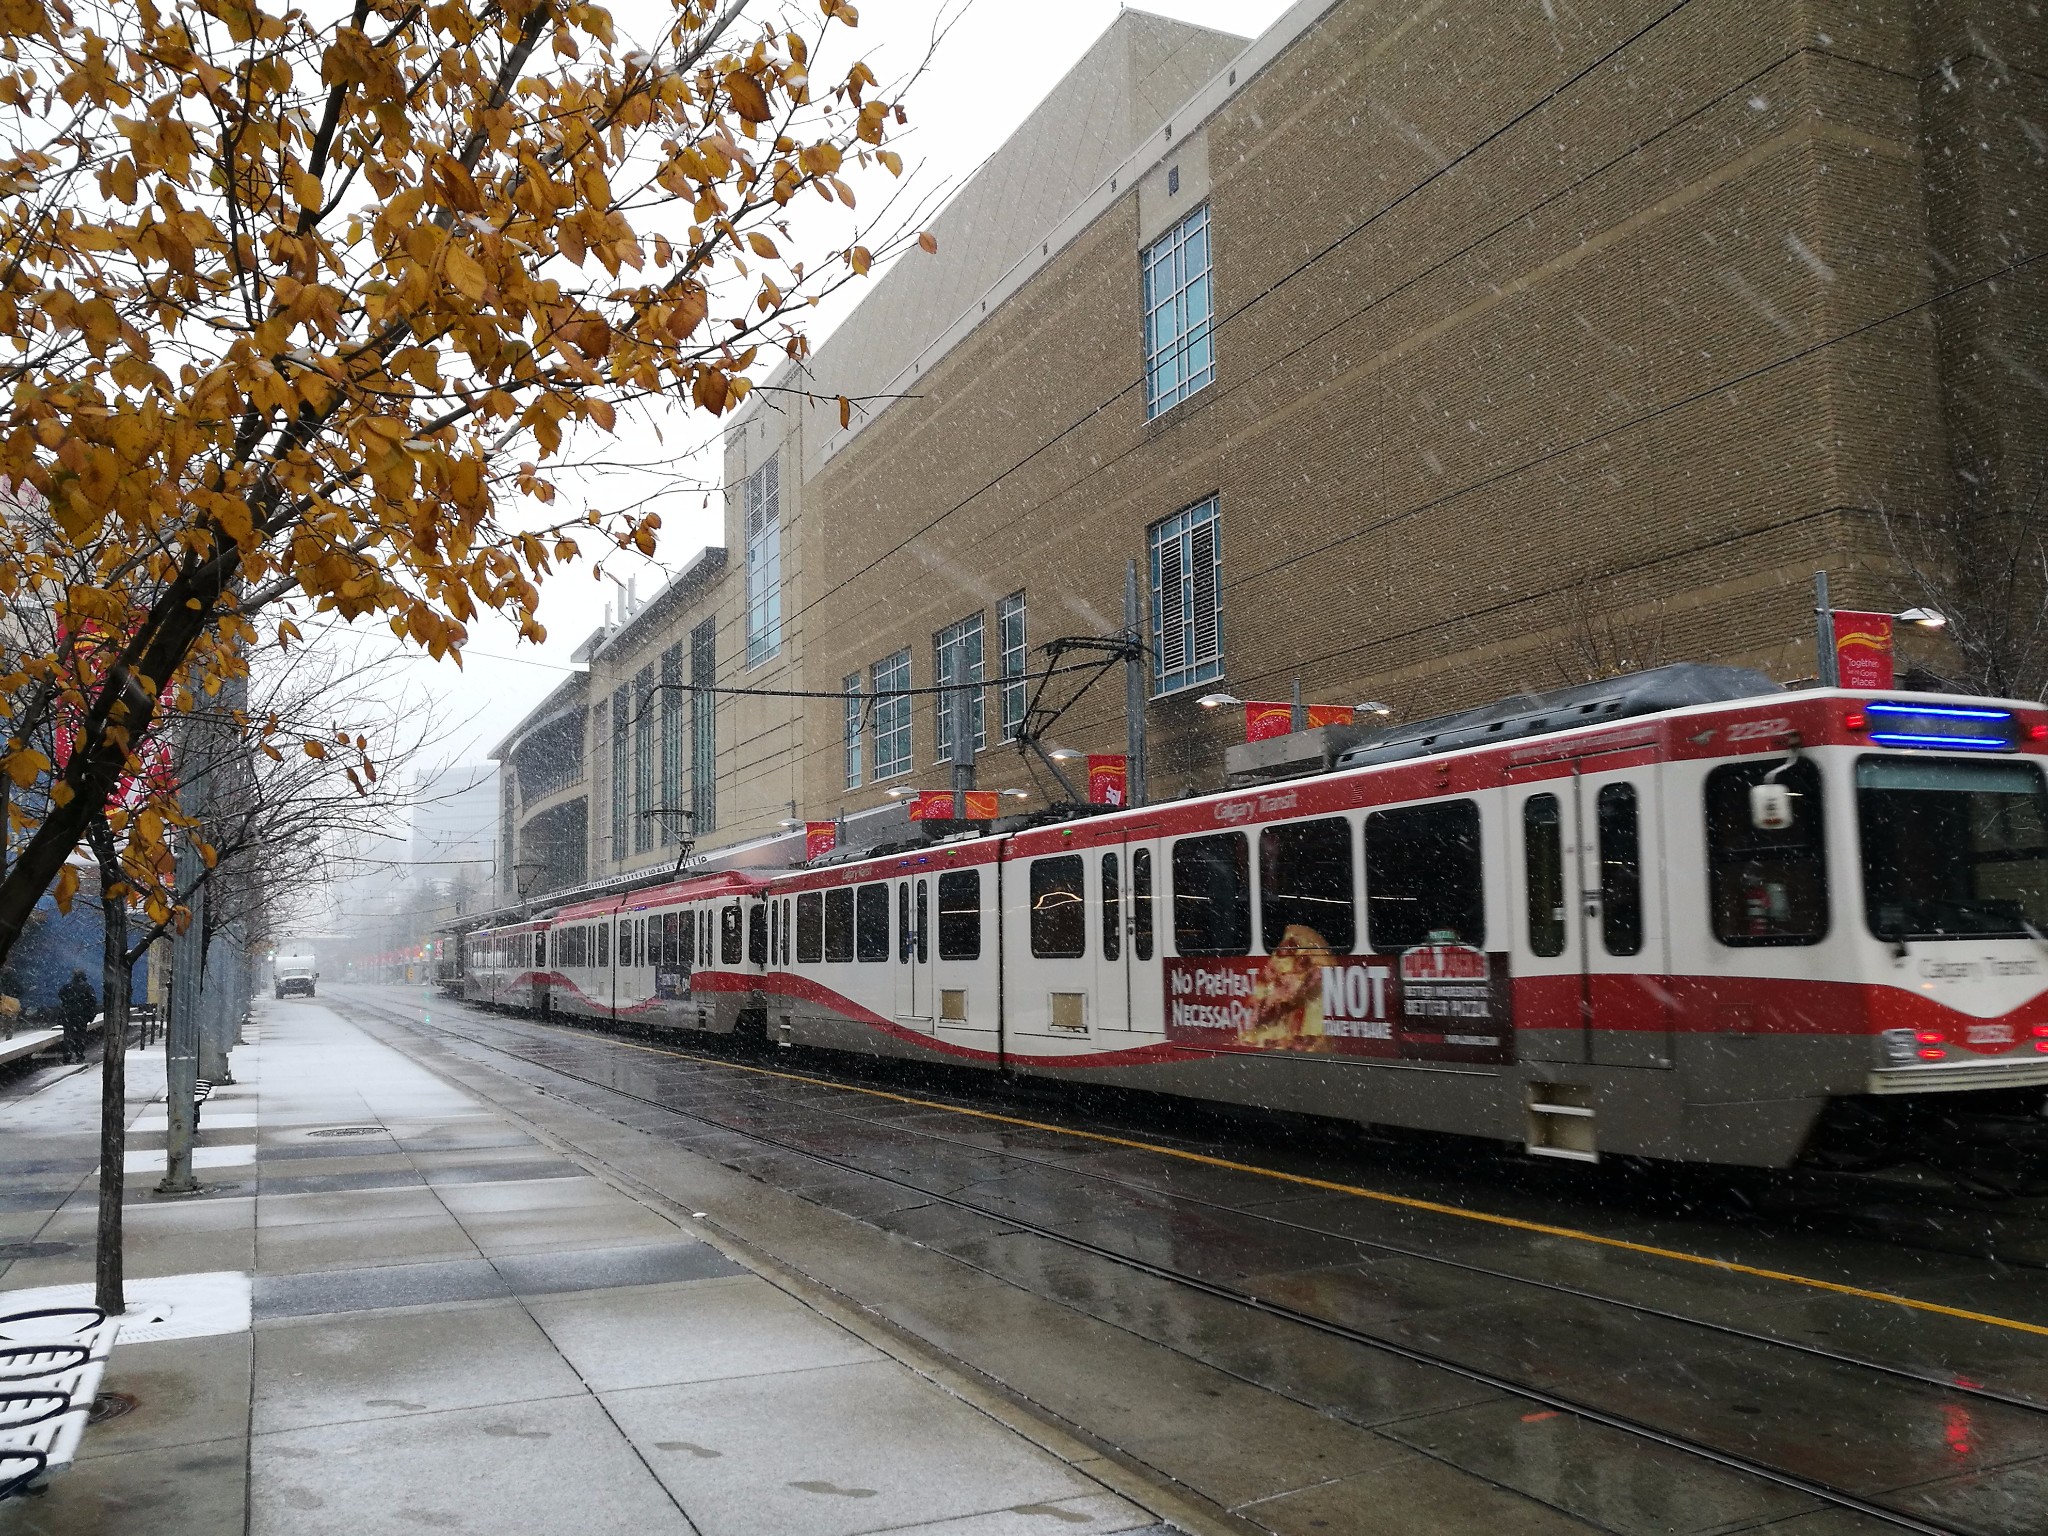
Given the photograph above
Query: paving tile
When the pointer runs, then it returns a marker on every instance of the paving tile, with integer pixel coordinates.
(552, 1466)
(582, 1193)
(1098, 1512)
(487, 1172)
(833, 1452)
(186, 1391)
(1404, 1497)
(329, 1370)
(586, 1269)
(338, 1183)
(362, 1290)
(281, 1209)
(307, 1246)
(499, 1232)
(670, 1334)
(187, 1490)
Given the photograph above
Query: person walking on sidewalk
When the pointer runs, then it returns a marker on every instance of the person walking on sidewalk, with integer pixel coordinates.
(77, 1002)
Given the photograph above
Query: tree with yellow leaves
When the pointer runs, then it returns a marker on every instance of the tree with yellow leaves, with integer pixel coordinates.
(303, 307)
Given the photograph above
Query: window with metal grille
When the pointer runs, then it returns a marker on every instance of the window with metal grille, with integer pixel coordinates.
(958, 646)
(703, 728)
(1187, 598)
(1010, 640)
(761, 498)
(622, 783)
(671, 746)
(891, 715)
(643, 760)
(1180, 355)
(850, 686)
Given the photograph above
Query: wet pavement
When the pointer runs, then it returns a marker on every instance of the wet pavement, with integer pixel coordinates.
(443, 1320)
(1012, 1248)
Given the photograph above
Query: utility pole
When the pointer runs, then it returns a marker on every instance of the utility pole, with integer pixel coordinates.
(181, 1029)
(1824, 632)
(1134, 693)
(960, 716)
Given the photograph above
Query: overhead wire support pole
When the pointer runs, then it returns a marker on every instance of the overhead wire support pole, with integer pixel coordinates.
(181, 1030)
(1134, 692)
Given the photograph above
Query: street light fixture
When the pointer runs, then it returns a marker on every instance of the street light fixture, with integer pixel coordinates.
(1065, 755)
(1217, 700)
(1923, 618)
(1372, 707)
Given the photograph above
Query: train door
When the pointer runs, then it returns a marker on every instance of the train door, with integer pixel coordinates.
(914, 951)
(1127, 994)
(1621, 918)
(1548, 946)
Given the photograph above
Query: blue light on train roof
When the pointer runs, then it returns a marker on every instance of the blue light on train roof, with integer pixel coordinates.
(1941, 727)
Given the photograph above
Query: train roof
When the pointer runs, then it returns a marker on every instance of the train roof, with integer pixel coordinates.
(1519, 715)
(725, 882)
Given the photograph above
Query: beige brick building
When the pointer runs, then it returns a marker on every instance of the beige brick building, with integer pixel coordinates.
(1418, 352)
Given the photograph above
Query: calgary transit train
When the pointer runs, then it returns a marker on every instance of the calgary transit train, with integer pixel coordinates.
(1675, 915)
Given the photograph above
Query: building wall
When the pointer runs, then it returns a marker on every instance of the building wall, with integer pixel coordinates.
(1543, 345)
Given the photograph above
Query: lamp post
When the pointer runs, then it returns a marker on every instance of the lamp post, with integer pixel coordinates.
(1824, 629)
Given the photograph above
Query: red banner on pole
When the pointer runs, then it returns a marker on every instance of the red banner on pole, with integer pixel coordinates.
(937, 805)
(1262, 721)
(820, 838)
(1863, 649)
(1109, 778)
(1266, 719)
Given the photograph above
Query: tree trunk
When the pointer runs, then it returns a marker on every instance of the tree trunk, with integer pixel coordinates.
(116, 978)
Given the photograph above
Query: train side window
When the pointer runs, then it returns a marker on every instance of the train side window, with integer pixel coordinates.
(604, 944)
(1112, 908)
(906, 939)
(1766, 887)
(540, 950)
(729, 934)
(871, 921)
(1423, 876)
(1621, 869)
(960, 914)
(1212, 895)
(810, 928)
(924, 921)
(1543, 872)
(774, 931)
(757, 934)
(1305, 886)
(839, 924)
(1141, 903)
(788, 911)
(1059, 909)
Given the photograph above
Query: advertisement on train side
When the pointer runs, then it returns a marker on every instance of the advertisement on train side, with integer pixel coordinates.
(1435, 1002)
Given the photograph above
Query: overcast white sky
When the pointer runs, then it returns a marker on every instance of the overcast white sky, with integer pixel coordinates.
(997, 61)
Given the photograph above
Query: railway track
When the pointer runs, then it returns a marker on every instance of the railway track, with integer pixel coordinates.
(1907, 1391)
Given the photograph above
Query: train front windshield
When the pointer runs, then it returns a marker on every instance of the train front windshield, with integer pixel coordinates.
(1953, 848)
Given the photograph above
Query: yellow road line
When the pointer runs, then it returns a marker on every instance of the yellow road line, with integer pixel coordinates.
(1358, 1191)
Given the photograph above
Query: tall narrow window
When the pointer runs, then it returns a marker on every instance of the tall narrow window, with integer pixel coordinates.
(600, 763)
(761, 499)
(622, 781)
(703, 728)
(1543, 870)
(1010, 638)
(1180, 356)
(956, 650)
(850, 686)
(644, 788)
(1141, 903)
(892, 716)
(671, 745)
(1112, 910)
(1621, 870)
(1187, 598)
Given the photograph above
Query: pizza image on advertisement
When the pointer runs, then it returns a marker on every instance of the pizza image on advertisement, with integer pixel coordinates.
(1287, 995)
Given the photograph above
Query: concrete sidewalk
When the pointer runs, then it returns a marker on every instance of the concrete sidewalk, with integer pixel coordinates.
(449, 1326)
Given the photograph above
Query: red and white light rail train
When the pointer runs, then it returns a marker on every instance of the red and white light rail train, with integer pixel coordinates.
(1675, 916)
